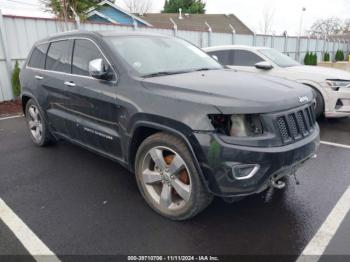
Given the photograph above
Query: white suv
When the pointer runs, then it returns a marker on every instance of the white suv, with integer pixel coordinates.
(332, 86)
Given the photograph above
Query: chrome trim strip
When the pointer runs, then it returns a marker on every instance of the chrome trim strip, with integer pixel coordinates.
(250, 175)
(64, 73)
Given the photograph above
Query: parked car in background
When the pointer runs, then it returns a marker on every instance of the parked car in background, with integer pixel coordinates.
(332, 86)
(188, 128)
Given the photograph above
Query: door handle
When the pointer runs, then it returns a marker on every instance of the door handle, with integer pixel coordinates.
(39, 77)
(67, 83)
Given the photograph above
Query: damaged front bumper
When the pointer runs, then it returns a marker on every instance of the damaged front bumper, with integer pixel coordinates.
(232, 170)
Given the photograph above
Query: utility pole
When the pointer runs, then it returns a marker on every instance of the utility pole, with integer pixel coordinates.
(301, 20)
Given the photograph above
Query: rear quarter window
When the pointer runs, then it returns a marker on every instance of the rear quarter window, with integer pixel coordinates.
(37, 58)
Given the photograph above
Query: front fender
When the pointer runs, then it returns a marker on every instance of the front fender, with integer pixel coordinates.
(173, 127)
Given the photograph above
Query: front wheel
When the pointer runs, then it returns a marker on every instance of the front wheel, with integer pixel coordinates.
(168, 179)
(319, 109)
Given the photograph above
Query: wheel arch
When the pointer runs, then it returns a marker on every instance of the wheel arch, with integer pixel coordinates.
(144, 128)
(314, 87)
(24, 99)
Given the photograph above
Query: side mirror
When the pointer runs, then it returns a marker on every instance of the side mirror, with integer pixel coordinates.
(264, 65)
(97, 68)
(215, 57)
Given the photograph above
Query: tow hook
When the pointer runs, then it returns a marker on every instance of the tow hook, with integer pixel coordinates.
(278, 184)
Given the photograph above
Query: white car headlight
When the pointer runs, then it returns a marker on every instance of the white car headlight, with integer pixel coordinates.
(335, 84)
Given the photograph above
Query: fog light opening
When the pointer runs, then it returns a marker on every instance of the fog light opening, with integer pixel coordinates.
(339, 104)
(245, 171)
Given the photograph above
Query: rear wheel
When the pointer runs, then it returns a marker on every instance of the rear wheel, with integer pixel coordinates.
(39, 133)
(168, 179)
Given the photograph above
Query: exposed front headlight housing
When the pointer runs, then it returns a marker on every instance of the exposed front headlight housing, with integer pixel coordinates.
(237, 125)
(335, 84)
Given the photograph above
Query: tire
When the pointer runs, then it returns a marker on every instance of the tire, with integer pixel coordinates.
(37, 125)
(178, 195)
(319, 110)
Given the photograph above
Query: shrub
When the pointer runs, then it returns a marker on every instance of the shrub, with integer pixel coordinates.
(314, 60)
(339, 55)
(326, 57)
(310, 58)
(307, 58)
(16, 86)
(342, 55)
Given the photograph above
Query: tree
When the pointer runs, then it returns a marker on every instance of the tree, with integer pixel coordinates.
(346, 26)
(327, 27)
(339, 55)
(307, 58)
(64, 9)
(138, 6)
(187, 6)
(267, 21)
(326, 57)
(16, 85)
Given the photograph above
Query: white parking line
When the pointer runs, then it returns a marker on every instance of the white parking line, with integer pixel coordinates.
(29, 240)
(10, 117)
(324, 235)
(335, 144)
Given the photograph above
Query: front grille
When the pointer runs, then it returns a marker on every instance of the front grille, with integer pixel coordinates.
(295, 125)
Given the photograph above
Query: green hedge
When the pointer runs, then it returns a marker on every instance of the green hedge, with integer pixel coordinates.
(326, 57)
(16, 86)
(339, 55)
(310, 58)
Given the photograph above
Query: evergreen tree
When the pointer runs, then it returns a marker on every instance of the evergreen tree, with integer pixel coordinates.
(315, 59)
(187, 6)
(326, 57)
(339, 55)
(307, 59)
(16, 86)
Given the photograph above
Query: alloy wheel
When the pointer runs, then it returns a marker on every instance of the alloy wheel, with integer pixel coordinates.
(35, 123)
(166, 178)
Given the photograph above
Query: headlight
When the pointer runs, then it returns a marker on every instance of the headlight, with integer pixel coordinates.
(237, 125)
(335, 84)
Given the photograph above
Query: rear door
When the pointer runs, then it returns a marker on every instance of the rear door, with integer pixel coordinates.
(91, 103)
(51, 79)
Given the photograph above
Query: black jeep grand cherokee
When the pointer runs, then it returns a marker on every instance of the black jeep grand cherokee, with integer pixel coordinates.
(187, 127)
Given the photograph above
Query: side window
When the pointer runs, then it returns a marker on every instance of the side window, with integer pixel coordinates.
(37, 59)
(245, 58)
(224, 56)
(84, 51)
(58, 58)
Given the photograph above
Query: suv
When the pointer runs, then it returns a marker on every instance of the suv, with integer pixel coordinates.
(331, 86)
(187, 127)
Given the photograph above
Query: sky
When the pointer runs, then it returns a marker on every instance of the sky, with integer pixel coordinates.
(286, 14)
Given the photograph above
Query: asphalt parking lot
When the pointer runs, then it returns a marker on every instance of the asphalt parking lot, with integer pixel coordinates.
(78, 203)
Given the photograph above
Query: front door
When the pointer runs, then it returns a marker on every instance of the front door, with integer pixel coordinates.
(92, 107)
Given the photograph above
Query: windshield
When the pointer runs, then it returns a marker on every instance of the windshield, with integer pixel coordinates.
(278, 58)
(152, 55)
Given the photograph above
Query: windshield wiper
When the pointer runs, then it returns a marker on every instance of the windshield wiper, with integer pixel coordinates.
(204, 69)
(163, 73)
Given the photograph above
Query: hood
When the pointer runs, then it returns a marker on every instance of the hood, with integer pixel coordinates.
(231, 91)
(318, 73)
